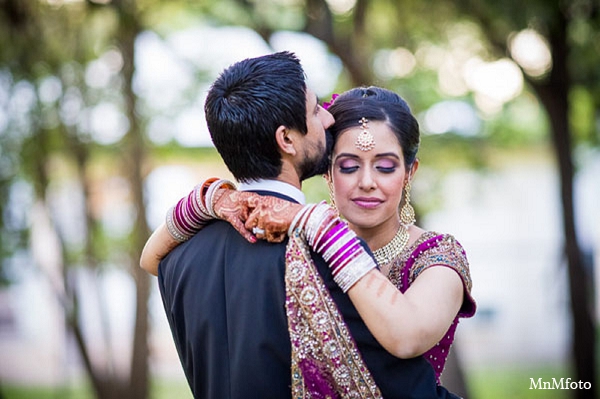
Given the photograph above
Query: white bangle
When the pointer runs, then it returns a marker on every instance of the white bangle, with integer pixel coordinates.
(174, 231)
(298, 220)
(212, 189)
(354, 271)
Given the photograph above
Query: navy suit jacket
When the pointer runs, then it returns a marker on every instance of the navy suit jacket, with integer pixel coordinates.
(225, 302)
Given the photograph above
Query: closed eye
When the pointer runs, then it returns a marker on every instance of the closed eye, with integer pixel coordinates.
(348, 164)
(386, 169)
(347, 170)
(387, 164)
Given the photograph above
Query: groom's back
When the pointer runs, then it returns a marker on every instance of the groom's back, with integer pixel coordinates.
(225, 302)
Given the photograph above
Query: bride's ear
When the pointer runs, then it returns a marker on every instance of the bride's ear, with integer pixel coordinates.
(413, 169)
(285, 140)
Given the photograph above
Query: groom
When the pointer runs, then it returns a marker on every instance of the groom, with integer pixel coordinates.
(224, 297)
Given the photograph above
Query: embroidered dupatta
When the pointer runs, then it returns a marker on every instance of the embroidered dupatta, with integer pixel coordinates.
(325, 360)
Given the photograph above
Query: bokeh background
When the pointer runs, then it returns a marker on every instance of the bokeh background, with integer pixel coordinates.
(102, 130)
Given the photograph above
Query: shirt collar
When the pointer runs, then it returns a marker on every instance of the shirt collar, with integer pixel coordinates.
(274, 186)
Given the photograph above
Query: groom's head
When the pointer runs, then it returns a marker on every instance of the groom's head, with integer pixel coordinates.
(258, 106)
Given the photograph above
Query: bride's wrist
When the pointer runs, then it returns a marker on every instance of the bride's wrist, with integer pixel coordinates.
(195, 210)
(330, 237)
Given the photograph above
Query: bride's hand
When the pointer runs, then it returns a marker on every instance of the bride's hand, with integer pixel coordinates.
(234, 207)
(270, 217)
(255, 216)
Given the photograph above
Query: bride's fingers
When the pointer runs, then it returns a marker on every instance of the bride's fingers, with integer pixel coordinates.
(275, 237)
(252, 220)
(241, 228)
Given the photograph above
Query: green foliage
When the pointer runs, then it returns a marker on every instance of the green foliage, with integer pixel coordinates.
(583, 116)
(316, 189)
(27, 392)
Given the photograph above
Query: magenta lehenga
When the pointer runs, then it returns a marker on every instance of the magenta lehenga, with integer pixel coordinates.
(433, 249)
(325, 360)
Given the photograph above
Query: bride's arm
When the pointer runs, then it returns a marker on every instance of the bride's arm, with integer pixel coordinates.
(218, 199)
(406, 325)
(157, 247)
(409, 324)
(210, 200)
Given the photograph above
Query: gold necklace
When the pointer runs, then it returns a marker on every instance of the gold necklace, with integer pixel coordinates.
(392, 249)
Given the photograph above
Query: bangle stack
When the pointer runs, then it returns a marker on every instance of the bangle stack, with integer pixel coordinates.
(195, 210)
(330, 237)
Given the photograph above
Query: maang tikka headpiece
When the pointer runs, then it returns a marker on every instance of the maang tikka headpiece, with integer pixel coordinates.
(365, 140)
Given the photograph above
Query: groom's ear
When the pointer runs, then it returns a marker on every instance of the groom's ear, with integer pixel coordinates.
(285, 139)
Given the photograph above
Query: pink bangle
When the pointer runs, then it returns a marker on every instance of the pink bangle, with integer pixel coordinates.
(329, 236)
(189, 215)
(174, 231)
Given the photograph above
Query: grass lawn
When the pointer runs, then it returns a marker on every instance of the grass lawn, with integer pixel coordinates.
(159, 390)
(515, 383)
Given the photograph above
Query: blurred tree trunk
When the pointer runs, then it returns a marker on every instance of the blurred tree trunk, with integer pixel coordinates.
(353, 48)
(44, 39)
(102, 377)
(106, 382)
(553, 92)
(554, 95)
(133, 157)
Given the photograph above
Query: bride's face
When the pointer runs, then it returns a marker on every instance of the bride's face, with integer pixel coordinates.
(367, 185)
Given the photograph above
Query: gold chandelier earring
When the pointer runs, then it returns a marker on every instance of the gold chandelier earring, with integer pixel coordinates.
(407, 212)
(329, 181)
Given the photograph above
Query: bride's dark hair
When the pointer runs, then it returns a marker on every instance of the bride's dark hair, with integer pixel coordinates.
(377, 104)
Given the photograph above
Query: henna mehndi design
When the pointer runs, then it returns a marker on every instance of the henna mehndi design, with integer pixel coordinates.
(274, 215)
(246, 210)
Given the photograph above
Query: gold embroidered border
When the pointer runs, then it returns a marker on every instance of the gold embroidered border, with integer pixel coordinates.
(325, 360)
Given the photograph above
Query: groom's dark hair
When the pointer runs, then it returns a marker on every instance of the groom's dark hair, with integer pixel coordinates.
(246, 105)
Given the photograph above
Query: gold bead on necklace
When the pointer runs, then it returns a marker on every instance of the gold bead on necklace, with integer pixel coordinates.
(392, 249)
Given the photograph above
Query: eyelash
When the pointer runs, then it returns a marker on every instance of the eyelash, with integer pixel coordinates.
(353, 169)
(348, 170)
(391, 169)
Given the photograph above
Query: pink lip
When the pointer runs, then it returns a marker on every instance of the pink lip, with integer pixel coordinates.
(367, 202)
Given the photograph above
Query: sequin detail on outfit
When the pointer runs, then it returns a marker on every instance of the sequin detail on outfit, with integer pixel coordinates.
(433, 249)
(325, 360)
